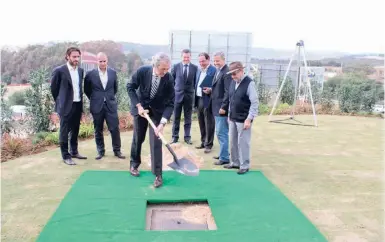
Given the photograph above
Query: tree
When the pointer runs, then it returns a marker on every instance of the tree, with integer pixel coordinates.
(39, 100)
(287, 93)
(122, 95)
(6, 113)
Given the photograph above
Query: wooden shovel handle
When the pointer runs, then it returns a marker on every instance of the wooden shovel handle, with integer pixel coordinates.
(164, 141)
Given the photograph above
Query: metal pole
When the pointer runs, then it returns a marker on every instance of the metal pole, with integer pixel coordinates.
(280, 89)
(297, 81)
(309, 86)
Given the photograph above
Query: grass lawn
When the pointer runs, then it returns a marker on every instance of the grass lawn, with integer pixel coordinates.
(333, 173)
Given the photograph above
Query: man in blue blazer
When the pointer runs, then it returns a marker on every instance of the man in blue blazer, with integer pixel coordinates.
(205, 76)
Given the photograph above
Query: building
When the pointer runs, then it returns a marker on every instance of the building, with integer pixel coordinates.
(332, 71)
(88, 61)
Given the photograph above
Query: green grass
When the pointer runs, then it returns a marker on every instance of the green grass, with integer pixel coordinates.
(333, 173)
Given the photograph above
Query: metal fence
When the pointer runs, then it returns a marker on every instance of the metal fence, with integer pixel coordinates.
(236, 46)
(270, 74)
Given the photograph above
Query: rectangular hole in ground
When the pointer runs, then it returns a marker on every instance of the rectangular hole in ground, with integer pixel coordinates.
(186, 215)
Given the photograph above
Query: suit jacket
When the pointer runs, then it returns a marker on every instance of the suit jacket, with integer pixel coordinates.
(93, 88)
(210, 73)
(139, 89)
(184, 88)
(62, 90)
(219, 92)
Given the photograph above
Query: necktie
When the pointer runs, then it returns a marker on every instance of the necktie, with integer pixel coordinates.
(154, 87)
(185, 72)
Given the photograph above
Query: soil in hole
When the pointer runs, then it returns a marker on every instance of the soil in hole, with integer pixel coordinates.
(180, 216)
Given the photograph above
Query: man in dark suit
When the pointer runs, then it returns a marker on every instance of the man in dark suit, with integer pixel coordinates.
(219, 104)
(67, 91)
(205, 76)
(184, 74)
(151, 91)
(101, 86)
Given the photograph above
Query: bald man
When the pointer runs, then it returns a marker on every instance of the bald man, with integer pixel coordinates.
(100, 86)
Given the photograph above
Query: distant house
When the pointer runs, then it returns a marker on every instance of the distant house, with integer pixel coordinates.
(88, 61)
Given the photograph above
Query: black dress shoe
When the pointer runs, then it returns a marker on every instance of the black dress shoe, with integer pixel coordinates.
(78, 156)
(207, 150)
(242, 171)
(174, 141)
(229, 166)
(119, 155)
(216, 157)
(158, 181)
(100, 156)
(134, 172)
(221, 162)
(200, 147)
(188, 142)
(69, 161)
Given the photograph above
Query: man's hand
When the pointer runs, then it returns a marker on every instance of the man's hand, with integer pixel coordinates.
(247, 124)
(141, 111)
(221, 111)
(207, 90)
(159, 129)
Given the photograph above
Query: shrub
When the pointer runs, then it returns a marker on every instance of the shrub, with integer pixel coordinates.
(39, 137)
(86, 130)
(12, 147)
(39, 101)
(6, 113)
(17, 98)
(52, 138)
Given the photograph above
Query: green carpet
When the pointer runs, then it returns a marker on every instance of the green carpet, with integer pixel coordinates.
(111, 206)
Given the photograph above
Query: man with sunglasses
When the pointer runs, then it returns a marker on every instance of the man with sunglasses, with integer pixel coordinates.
(101, 86)
(243, 108)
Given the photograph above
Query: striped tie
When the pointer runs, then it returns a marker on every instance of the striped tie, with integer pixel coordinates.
(154, 87)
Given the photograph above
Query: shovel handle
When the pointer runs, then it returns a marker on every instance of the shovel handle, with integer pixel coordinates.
(164, 141)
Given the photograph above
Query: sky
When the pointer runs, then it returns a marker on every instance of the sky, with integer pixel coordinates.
(324, 25)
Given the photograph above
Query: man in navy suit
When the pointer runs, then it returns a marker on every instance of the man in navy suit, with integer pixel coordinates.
(184, 74)
(205, 76)
(67, 91)
(101, 86)
(151, 90)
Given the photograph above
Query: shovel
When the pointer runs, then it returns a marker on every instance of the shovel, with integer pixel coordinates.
(183, 165)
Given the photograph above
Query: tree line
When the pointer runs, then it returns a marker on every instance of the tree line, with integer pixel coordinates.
(16, 66)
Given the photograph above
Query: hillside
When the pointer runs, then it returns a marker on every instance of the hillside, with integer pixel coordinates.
(146, 51)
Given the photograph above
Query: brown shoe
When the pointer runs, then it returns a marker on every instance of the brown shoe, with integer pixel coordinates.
(134, 172)
(158, 181)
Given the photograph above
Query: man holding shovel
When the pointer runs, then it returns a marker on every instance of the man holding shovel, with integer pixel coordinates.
(151, 91)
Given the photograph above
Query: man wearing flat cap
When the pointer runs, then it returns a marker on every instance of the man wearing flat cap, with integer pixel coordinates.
(243, 108)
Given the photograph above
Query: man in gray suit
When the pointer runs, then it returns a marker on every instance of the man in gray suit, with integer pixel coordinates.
(184, 74)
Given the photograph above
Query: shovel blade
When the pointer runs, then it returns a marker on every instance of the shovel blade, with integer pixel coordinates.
(185, 167)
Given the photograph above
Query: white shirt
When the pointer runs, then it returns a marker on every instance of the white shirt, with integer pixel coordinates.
(75, 81)
(201, 78)
(103, 77)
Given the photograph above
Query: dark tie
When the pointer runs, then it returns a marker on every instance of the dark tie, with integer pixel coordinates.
(185, 72)
(154, 87)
